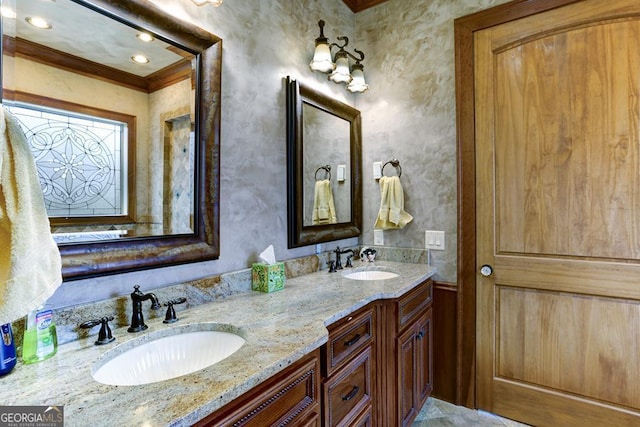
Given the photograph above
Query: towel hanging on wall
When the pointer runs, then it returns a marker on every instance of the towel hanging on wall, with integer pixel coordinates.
(324, 210)
(30, 265)
(392, 214)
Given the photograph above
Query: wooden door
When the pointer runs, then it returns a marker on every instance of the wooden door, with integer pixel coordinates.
(557, 146)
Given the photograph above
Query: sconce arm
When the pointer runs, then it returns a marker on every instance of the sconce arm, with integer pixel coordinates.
(360, 54)
(345, 39)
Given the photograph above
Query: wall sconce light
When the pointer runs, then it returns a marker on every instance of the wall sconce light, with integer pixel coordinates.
(215, 3)
(339, 65)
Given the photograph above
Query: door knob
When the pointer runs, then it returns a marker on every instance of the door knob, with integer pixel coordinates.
(486, 270)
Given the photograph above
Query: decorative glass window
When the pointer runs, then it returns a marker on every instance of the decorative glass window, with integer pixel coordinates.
(81, 160)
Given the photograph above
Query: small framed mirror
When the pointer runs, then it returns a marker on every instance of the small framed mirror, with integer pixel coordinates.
(324, 167)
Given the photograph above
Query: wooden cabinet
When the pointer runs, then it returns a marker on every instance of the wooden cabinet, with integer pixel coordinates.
(374, 370)
(388, 343)
(349, 359)
(414, 368)
(348, 337)
(406, 379)
(289, 398)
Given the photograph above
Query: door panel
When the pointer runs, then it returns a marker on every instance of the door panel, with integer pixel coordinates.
(570, 342)
(558, 215)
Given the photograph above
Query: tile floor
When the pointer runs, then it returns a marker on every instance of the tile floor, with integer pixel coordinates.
(436, 413)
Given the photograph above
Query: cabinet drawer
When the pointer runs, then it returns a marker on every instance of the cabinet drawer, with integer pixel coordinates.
(347, 337)
(290, 398)
(363, 420)
(413, 303)
(348, 392)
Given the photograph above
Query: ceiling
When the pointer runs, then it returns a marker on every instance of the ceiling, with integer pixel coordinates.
(74, 30)
(360, 5)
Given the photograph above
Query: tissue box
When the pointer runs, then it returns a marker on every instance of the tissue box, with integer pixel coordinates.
(267, 278)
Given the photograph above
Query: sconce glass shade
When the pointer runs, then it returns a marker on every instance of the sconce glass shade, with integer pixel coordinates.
(341, 73)
(322, 59)
(357, 83)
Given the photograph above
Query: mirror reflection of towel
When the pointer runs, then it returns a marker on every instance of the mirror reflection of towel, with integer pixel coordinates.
(392, 214)
(30, 269)
(324, 211)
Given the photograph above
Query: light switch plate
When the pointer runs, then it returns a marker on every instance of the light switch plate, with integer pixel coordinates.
(341, 173)
(434, 240)
(378, 237)
(377, 170)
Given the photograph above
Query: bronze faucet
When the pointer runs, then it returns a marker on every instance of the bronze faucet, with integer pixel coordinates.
(338, 251)
(137, 320)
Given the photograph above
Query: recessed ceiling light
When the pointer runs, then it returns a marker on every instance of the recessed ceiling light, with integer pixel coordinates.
(145, 37)
(38, 22)
(140, 59)
(7, 12)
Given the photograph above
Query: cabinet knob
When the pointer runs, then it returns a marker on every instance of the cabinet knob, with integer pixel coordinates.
(420, 335)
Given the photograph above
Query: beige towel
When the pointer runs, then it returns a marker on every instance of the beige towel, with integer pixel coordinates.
(392, 214)
(30, 267)
(324, 210)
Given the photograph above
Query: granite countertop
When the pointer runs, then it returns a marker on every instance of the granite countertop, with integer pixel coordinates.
(279, 329)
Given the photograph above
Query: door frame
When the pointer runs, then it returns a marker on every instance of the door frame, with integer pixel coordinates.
(464, 29)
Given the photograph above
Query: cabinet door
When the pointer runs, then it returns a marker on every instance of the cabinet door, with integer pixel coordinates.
(407, 366)
(424, 360)
(415, 373)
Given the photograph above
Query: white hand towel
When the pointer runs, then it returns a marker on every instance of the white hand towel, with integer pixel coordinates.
(324, 210)
(391, 214)
(30, 265)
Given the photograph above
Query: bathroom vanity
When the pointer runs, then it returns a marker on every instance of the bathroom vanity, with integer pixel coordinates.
(352, 369)
(326, 350)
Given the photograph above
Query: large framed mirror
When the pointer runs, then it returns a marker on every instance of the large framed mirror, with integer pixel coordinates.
(324, 167)
(120, 102)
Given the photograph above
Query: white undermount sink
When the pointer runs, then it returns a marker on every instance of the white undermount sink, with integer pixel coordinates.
(167, 357)
(371, 275)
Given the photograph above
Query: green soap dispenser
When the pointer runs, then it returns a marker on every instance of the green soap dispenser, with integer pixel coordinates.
(40, 337)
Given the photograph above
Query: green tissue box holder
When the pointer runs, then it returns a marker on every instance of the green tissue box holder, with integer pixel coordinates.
(267, 278)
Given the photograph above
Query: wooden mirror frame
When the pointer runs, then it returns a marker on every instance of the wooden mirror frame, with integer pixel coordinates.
(298, 234)
(117, 256)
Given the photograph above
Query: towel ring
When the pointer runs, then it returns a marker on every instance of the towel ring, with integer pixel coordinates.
(327, 171)
(396, 164)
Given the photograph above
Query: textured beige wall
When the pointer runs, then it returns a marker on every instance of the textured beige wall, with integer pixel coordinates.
(409, 113)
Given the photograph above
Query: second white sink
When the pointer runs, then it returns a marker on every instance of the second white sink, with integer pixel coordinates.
(371, 275)
(168, 357)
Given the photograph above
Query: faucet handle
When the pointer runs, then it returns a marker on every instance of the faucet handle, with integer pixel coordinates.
(348, 263)
(332, 266)
(104, 336)
(170, 317)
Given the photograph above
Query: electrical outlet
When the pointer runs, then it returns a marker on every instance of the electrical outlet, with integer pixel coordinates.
(434, 240)
(378, 237)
